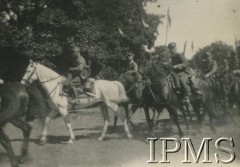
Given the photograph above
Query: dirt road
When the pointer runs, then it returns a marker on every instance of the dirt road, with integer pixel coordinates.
(116, 150)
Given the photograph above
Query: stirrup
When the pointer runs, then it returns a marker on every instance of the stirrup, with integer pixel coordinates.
(198, 92)
(73, 101)
(178, 92)
(90, 94)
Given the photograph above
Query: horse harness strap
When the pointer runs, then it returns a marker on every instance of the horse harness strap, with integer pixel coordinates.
(35, 69)
(155, 98)
(29, 77)
(51, 79)
(164, 80)
(55, 88)
(131, 87)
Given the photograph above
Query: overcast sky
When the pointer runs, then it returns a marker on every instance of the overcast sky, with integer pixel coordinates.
(200, 21)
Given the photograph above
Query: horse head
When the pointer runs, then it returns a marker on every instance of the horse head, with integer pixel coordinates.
(31, 73)
(107, 73)
(133, 84)
(144, 67)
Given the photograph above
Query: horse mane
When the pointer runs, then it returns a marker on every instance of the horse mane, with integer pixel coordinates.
(51, 73)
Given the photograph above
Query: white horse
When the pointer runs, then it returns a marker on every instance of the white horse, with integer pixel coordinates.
(110, 93)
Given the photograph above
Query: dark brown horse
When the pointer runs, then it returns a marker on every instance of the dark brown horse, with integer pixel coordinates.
(160, 92)
(234, 94)
(18, 101)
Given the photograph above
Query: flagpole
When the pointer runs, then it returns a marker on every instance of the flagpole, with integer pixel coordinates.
(194, 58)
(166, 33)
(167, 24)
(184, 47)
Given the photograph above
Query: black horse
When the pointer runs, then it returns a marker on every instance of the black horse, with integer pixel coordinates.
(159, 93)
(234, 94)
(18, 105)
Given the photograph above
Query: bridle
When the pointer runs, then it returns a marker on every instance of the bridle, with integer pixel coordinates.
(30, 76)
(35, 70)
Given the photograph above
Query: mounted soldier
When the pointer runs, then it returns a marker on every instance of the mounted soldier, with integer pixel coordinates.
(132, 65)
(181, 74)
(210, 66)
(80, 71)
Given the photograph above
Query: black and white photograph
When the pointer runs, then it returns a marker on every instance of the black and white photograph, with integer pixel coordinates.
(119, 83)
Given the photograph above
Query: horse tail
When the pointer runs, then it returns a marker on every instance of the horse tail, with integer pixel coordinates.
(37, 106)
(122, 93)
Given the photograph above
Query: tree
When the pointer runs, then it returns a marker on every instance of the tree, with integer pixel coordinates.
(45, 30)
(219, 50)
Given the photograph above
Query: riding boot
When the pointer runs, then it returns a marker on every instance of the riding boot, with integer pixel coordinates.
(176, 83)
(87, 86)
(186, 102)
(193, 87)
(75, 92)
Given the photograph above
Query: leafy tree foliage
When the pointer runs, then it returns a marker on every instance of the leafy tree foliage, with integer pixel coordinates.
(221, 52)
(45, 30)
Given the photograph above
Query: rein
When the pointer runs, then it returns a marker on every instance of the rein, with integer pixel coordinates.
(132, 87)
(164, 80)
(159, 83)
(50, 79)
(155, 98)
(35, 70)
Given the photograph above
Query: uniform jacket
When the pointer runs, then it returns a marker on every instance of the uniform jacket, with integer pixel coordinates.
(80, 67)
(133, 67)
(210, 67)
(179, 62)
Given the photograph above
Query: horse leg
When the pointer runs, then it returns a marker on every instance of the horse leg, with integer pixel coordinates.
(50, 116)
(115, 122)
(173, 114)
(132, 111)
(146, 111)
(154, 115)
(189, 110)
(183, 110)
(127, 114)
(209, 109)
(26, 134)
(4, 140)
(196, 108)
(159, 110)
(125, 107)
(124, 119)
(104, 111)
(66, 118)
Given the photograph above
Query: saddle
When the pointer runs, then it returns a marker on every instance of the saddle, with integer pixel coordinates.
(78, 89)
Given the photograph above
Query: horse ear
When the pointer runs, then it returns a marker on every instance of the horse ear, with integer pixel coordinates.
(31, 61)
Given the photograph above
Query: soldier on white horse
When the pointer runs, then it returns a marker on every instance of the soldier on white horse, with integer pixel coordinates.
(110, 93)
(80, 71)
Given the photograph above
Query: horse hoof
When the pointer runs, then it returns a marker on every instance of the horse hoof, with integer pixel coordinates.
(130, 136)
(42, 142)
(16, 165)
(100, 138)
(180, 134)
(21, 160)
(70, 141)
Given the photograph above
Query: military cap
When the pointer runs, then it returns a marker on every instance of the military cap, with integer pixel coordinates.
(130, 54)
(76, 49)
